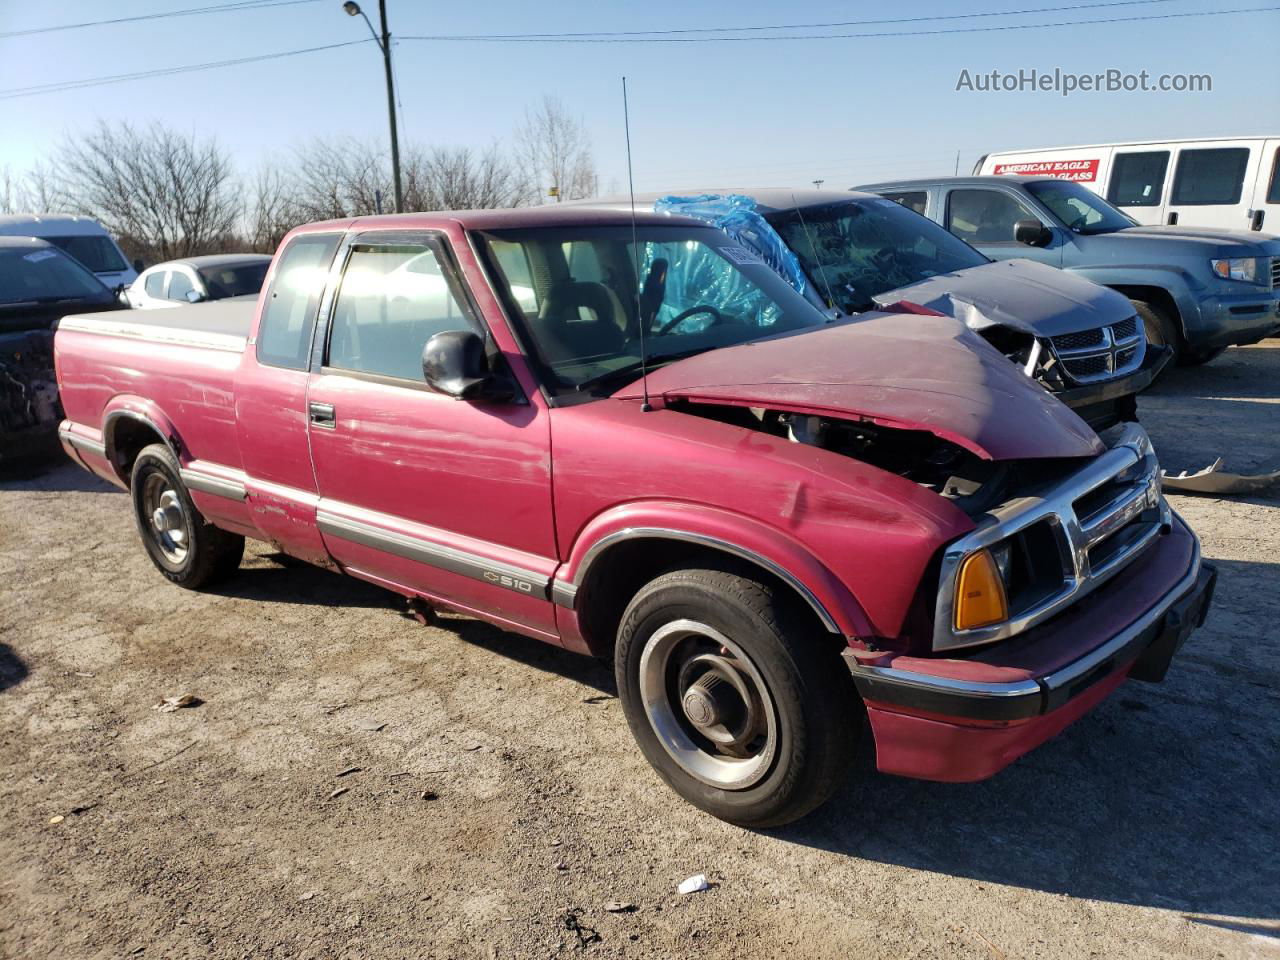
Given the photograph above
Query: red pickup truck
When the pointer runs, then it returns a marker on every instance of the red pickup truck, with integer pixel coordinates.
(791, 528)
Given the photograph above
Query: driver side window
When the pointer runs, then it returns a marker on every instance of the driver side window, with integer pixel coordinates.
(392, 300)
(984, 216)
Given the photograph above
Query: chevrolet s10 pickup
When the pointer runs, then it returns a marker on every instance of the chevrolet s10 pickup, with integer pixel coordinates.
(633, 439)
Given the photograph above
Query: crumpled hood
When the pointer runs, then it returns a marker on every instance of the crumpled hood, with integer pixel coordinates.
(914, 372)
(1022, 295)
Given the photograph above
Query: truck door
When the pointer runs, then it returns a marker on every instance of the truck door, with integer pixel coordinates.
(1266, 191)
(984, 217)
(1138, 183)
(1209, 184)
(419, 491)
(271, 398)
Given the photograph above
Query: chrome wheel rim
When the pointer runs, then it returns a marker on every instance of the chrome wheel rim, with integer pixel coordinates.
(165, 517)
(708, 705)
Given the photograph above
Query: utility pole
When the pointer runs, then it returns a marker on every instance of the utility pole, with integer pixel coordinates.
(817, 184)
(384, 44)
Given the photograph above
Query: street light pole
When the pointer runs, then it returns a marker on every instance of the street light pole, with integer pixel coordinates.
(384, 44)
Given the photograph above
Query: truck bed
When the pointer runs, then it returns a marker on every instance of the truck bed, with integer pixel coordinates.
(222, 324)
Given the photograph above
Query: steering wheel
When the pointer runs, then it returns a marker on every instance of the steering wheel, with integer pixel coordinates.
(716, 317)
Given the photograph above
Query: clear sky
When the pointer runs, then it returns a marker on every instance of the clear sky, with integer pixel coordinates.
(749, 113)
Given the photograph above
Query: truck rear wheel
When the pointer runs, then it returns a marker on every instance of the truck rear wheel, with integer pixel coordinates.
(184, 546)
(734, 698)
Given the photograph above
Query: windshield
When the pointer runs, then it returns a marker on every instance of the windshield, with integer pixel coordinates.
(855, 250)
(97, 253)
(575, 294)
(45, 274)
(1079, 208)
(234, 281)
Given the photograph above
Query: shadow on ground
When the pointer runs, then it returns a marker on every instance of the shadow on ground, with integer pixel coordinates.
(12, 670)
(1166, 795)
(54, 473)
(1223, 416)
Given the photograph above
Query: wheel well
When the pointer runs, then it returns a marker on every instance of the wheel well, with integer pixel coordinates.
(127, 436)
(619, 573)
(1158, 297)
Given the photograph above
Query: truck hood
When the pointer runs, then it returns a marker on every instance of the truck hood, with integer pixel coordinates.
(1022, 295)
(1244, 243)
(911, 372)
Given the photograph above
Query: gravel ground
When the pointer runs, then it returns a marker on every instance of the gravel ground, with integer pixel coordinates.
(500, 806)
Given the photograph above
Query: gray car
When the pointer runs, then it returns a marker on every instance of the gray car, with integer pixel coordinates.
(857, 253)
(1199, 290)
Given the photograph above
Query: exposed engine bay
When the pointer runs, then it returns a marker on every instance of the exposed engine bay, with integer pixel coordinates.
(972, 483)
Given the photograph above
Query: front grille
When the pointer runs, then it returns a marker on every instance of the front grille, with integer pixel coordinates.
(1088, 368)
(1275, 273)
(1086, 529)
(1104, 353)
(1080, 341)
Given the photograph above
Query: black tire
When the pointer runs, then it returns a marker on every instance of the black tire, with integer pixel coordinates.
(818, 714)
(185, 547)
(1161, 329)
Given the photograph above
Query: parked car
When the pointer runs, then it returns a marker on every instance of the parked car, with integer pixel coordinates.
(1199, 290)
(862, 252)
(792, 525)
(176, 283)
(82, 237)
(38, 284)
(1229, 183)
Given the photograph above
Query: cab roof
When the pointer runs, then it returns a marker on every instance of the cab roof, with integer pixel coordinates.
(548, 215)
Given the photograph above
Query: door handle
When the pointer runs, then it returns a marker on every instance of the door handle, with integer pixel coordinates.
(323, 415)
(1173, 218)
(1258, 216)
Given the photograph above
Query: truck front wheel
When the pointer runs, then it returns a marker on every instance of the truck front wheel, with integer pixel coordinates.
(184, 546)
(737, 700)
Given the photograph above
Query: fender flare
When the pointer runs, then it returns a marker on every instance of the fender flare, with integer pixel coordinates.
(140, 410)
(1174, 281)
(767, 547)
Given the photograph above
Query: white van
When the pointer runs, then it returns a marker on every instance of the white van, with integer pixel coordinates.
(1231, 183)
(82, 237)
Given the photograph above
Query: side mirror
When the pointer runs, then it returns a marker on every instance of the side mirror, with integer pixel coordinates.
(194, 296)
(454, 363)
(1033, 233)
(138, 265)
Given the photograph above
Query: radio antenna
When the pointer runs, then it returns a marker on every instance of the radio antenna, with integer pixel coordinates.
(635, 255)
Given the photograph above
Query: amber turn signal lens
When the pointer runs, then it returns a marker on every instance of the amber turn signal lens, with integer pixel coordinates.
(980, 599)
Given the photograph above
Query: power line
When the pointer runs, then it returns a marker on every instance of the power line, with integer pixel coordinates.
(569, 38)
(798, 26)
(237, 6)
(32, 91)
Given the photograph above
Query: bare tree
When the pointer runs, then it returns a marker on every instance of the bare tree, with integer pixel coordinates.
(459, 178)
(272, 209)
(340, 178)
(555, 153)
(170, 194)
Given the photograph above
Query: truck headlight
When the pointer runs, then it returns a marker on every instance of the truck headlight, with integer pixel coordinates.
(980, 598)
(1237, 268)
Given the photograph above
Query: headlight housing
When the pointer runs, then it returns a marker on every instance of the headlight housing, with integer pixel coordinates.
(1245, 269)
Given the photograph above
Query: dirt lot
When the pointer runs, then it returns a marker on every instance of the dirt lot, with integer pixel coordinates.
(502, 805)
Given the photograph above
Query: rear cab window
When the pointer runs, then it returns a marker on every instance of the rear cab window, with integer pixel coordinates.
(1137, 179)
(1210, 176)
(393, 298)
(914, 200)
(284, 333)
